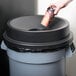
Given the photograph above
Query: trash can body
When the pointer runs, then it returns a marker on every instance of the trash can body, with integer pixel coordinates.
(48, 69)
(35, 50)
(37, 64)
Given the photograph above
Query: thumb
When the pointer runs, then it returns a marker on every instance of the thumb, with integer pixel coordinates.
(57, 10)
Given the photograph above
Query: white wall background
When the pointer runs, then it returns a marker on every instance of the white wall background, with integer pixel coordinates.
(68, 13)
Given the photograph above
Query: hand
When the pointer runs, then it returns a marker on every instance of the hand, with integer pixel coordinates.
(59, 5)
(48, 17)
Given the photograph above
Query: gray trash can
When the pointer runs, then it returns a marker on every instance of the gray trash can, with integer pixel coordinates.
(34, 50)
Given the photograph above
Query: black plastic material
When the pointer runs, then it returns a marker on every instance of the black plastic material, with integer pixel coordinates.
(27, 33)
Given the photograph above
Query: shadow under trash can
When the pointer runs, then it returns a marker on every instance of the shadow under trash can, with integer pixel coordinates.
(35, 50)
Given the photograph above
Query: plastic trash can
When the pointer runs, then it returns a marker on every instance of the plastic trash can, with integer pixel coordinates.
(34, 50)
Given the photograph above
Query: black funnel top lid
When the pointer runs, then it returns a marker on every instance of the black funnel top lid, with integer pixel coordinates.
(32, 24)
(27, 32)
